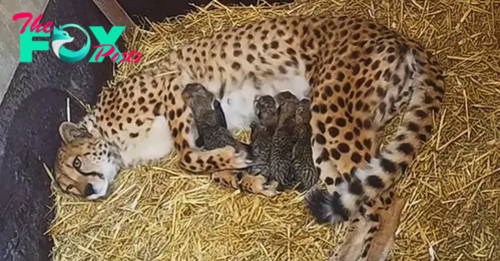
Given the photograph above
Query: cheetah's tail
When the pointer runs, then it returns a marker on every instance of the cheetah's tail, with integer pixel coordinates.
(324, 207)
(385, 170)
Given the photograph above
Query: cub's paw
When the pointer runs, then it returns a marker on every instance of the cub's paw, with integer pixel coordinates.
(271, 189)
(226, 178)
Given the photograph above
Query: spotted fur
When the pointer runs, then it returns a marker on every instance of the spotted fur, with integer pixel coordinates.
(358, 74)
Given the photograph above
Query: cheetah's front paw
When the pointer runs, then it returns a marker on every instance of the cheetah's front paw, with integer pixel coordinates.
(259, 185)
(237, 160)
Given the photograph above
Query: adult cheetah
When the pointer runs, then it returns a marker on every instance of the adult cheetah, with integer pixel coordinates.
(357, 74)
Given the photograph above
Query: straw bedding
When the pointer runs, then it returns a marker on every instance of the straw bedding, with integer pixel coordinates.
(158, 212)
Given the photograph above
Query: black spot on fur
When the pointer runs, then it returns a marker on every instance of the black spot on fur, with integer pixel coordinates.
(413, 127)
(406, 148)
(340, 76)
(421, 113)
(356, 157)
(388, 165)
(320, 139)
(374, 217)
(356, 187)
(187, 158)
(343, 147)
(321, 126)
(333, 131)
(375, 181)
(367, 143)
(341, 122)
(347, 88)
(335, 154)
(323, 108)
(422, 137)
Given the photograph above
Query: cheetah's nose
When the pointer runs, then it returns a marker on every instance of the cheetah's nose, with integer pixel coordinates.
(89, 190)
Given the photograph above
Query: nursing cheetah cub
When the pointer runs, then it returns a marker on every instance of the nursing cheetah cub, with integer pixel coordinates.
(303, 170)
(283, 140)
(208, 119)
(262, 131)
(211, 125)
(221, 121)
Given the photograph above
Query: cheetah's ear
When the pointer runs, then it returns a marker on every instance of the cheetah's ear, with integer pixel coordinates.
(70, 132)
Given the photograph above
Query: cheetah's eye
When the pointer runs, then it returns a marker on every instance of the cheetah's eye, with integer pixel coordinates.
(77, 163)
(69, 187)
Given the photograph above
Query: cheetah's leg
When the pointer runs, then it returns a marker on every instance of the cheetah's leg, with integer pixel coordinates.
(255, 184)
(258, 184)
(353, 243)
(372, 241)
(384, 238)
(181, 123)
(227, 178)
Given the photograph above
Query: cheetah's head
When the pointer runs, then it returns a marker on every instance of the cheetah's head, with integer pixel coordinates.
(287, 103)
(266, 109)
(202, 102)
(85, 165)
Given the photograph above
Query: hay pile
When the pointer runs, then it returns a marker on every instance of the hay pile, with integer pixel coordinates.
(158, 212)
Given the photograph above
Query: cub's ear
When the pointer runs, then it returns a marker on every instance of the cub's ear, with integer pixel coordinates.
(70, 132)
(255, 103)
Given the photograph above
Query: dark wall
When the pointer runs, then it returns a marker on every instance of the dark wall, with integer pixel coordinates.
(33, 108)
(158, 10)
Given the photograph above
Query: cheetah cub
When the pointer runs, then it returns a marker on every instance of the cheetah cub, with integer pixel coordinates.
(221, 121)
(212, 129)
(209, 119)
(283, 140)
(262, 131)
(303, 169)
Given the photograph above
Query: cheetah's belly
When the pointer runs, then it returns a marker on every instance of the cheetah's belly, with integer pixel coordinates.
(152, 145)
(238, 103)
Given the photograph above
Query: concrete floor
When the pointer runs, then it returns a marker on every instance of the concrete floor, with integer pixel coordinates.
(9, 32)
